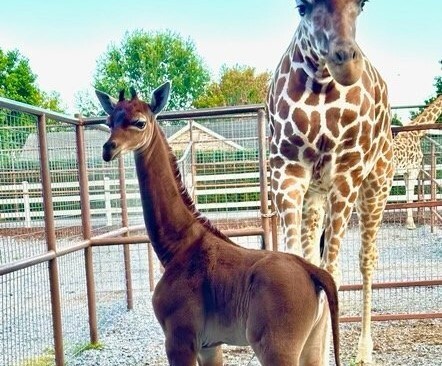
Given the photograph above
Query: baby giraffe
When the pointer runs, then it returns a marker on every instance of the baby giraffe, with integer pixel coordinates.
(214, 291)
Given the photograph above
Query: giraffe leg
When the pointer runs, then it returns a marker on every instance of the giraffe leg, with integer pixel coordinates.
(288, 195)
(370, 207)
(312, 226)
(338, 214)
(210, 356)
(410, 179)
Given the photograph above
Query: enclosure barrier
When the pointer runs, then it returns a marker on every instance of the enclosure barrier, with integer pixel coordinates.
(47, 225)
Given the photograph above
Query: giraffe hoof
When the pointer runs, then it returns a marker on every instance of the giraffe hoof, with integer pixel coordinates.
(410, 225)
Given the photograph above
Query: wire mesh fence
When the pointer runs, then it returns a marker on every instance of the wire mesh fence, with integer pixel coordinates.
(219, 163)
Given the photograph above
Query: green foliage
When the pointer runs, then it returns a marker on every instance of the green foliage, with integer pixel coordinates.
(18, 82)
(87, 104)
(238, 85)
(438, 85)
(144, 60)
(395, 120)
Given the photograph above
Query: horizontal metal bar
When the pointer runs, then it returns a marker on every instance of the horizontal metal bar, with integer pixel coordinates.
(36, 111)
(193, 113)
(140, 239)
(402, 205)
(73, 248)
(27, 262)
(429, 126)
(120, 240)
(382, 285)
(388, 317)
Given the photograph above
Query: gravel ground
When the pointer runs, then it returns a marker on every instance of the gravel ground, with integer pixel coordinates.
(134, 338)
(137, 340)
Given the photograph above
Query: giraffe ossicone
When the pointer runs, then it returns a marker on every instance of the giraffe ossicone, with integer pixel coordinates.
(331, 143)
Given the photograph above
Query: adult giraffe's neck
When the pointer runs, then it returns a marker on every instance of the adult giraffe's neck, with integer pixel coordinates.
(430, 114)
(168, 212)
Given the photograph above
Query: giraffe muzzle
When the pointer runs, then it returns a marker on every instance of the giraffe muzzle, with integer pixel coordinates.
(110, 150)
(345, 62)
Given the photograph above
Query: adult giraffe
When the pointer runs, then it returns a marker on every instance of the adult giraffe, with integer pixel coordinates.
(407, 151)
(331, 143)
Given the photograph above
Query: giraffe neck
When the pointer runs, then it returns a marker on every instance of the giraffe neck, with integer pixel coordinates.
(171, 220)
(429, 115)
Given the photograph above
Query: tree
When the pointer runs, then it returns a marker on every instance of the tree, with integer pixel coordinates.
(395, 120)
(145, 60)
(19, 83)
(87, 104)
(238, 85)
(438, 86)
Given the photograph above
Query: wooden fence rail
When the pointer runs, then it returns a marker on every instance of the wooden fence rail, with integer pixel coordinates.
(105, 196)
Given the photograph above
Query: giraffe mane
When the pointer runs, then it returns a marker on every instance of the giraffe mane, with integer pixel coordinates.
(185, 196)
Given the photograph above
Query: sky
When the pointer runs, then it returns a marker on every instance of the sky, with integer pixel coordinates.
(64, 39)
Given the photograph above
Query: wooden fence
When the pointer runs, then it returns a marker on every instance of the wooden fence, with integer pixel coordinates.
(105, 196)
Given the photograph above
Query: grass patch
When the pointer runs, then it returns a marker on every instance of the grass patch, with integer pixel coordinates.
(78, 350)
(46, 359)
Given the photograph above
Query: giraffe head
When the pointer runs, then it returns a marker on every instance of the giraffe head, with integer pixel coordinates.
(330, 28)
(131, 121)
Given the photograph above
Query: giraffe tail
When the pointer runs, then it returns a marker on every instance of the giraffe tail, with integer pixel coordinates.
(325, 281)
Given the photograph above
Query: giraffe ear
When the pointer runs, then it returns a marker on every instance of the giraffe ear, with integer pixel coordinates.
(107, 102)
(160, 97)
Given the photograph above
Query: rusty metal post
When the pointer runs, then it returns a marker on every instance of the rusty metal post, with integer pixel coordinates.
(125, 223)
(192, 161)
(274, 224)
(420, 212)
(263, 183)
(87, 231)
(51, 241)
(433, 186)
(151, 264)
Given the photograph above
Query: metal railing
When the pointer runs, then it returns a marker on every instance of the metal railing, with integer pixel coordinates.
(83, 246)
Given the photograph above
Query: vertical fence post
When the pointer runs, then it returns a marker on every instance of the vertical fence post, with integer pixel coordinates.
(192, 162)
(107, 201)
(433, 186)
(86, 226)
(26, 204)
(263, 183)
(125, 223)
(54, 280)
(274, 224)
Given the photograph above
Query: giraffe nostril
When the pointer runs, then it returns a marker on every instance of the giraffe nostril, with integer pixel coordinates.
(341, 56)
(110, 145)
(354, 55)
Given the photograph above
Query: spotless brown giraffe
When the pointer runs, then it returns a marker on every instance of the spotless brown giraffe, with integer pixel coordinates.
(213, 291)
(407, 151)
(331, 143)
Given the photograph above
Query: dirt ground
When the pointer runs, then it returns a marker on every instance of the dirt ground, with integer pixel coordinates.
(404, 343)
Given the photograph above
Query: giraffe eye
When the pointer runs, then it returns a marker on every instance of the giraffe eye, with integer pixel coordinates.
(139, 124)
(302, 7)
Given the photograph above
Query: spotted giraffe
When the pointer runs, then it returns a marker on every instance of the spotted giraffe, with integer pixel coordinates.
(407, 152)
(330, 144)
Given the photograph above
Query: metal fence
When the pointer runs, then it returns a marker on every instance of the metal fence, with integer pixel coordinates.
(74, 256)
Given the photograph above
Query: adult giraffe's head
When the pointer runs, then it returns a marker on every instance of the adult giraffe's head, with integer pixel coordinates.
(331, 28)
(131, 121)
